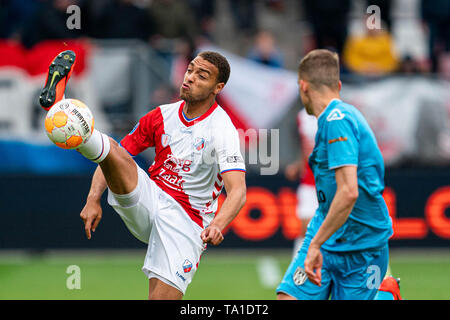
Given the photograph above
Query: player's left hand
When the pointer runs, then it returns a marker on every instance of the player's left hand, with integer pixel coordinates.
(313, 265)
(212, 235)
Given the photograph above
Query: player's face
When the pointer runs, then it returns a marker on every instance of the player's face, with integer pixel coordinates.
(200, 81)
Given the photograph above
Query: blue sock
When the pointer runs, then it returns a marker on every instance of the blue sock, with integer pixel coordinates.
(384, 295)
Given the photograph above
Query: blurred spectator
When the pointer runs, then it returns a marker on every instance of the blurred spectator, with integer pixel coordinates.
(13, 15)
(244, 15)
(409, 66)
(173, 19)
(436, 15)
(49, 22)
(204, 11)
(265, 50)
(122, 19)
(276, 5)
(371, 53)
(329, 21)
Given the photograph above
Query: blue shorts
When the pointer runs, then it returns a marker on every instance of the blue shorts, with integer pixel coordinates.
(353, 275)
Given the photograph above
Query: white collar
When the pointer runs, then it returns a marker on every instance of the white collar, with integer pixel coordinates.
(329, 103)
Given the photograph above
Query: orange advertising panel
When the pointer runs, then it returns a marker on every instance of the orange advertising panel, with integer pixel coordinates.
(267, 212)
(435, 209)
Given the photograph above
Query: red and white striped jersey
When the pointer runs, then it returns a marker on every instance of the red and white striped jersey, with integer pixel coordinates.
(307, 128)
(191, 155)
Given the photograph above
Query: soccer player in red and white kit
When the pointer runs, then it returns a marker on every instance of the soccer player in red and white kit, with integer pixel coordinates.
(173, 207)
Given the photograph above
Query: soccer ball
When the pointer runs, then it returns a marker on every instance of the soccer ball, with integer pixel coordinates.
(69, 123)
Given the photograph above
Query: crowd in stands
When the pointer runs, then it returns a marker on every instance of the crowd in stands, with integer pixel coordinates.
(373, 51)
(370, 52)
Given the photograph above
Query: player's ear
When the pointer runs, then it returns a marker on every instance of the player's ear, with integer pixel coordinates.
(304, 86)
(340, 85)
(218, 88)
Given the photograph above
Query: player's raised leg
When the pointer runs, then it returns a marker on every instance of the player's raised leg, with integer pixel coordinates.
(70, 125)
(118, 166)
(121, 175)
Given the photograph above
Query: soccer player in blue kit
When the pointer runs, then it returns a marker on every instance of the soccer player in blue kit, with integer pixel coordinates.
(345, 252)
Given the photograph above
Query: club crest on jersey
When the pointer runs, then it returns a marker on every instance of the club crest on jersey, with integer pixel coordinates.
(299, 276)
(199, 144)
(165, 140)
(335, 114)
(187, 266)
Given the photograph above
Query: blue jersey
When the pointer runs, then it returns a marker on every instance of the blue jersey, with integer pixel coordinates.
(345, 138)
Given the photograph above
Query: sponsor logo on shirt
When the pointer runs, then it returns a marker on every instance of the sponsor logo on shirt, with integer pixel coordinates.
(175, 164)
(170, 171)
(335, 114)
(234, 159)
(337, 140)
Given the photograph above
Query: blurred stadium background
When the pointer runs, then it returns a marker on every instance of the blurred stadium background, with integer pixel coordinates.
(131, 56)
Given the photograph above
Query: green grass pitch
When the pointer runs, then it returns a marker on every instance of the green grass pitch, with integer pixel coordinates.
(222, 274)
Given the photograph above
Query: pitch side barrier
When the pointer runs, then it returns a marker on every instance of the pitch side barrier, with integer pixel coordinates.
(41, 213)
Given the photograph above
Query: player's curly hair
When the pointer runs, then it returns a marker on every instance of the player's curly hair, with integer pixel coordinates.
(220, 62)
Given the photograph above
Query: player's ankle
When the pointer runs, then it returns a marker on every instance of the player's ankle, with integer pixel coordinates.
(97, 147)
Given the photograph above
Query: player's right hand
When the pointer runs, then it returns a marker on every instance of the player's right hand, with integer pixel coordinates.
(91, 216)
(313, 265)
(212, 235)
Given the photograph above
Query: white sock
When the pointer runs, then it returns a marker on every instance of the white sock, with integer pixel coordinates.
(96, 148)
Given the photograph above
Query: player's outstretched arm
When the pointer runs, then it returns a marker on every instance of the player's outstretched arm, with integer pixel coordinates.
(236, 194)
(92, 211)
